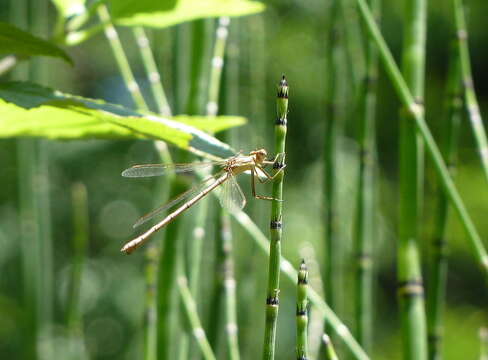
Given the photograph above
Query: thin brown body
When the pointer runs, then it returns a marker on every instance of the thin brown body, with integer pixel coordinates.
(234, 166)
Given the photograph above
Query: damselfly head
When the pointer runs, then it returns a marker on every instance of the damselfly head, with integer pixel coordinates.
(259, 155)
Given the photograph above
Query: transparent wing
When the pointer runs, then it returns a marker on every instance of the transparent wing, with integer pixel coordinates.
(177, 200)
(147, 170)
(232, 197)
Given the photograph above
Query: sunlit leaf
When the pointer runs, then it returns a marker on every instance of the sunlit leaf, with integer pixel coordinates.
(28, 109)
(157, 13)
(14, 41)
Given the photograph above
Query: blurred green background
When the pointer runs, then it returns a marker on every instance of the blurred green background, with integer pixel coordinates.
(288, 38)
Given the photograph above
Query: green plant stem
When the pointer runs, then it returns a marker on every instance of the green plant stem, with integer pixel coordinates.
(150, 328)
(217, 66)
(223, 258)
(153, 74)
(276, 225)
(409, 275)
(438, 253)
(302, 312)
(352, 43)
(332, 268)
(81, 229)
(229, 288)
(363, 234)
(121, 59)
(166, 296)
(329, 352)
(416, 111)
(469, 91)
(192, 314)
(325, 311)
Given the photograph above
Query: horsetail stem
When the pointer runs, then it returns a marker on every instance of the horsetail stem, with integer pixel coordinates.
(151, 314)
(409, 275)
(329, 352)
(217, 62)
(81, 228)
(363, 234)
(332, 270)
(190, 309)
(229, 288)
(151, 68)
(276, 225)
(325, 311)
(438, 249)
(121, 59)
(408, 101)
(469, 91)
(302, 312)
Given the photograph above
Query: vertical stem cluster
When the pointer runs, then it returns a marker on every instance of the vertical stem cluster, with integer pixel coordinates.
(438, 251)
(469, 92)
(302, 312)
(363, 235)
(276, 225)
(410, 285)
(416, 112)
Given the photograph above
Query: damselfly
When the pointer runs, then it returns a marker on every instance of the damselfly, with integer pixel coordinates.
(231, 198)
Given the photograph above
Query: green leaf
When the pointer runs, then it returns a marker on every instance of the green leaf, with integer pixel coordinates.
(28, 109)
(158, 15)
(212, 124)
(69, 8)
(14, 41)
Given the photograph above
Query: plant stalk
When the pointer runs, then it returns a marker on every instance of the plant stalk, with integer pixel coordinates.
(302, 313)
(438, 249)
(469, 91)
(329, 352)
(153, 74)
(276, 225)
(190, 308)
(365, 209)
(409, 275)
(416, 111)
(121, 59)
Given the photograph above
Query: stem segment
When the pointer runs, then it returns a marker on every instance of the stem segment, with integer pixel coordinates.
(364, 230)
(302, 315)
(438, 253)
(276, 225)
(469, 92)
(410, 284)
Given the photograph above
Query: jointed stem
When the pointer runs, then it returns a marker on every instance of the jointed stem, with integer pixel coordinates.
(417, 113)
(469, 92)
(272, 297)
(364, 227)
(302, 313)
(121, 59)
(410, 284)
(152, 71)
(290, 273)
(438, 249)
